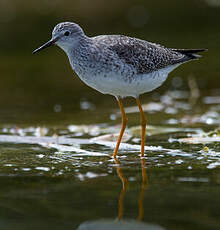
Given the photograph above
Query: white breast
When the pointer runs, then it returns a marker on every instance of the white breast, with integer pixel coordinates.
(116, 85)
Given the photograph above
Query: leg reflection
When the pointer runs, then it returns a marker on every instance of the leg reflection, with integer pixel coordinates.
(144, 186)
(123, 191)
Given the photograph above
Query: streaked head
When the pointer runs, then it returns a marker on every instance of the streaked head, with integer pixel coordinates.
(65, 35)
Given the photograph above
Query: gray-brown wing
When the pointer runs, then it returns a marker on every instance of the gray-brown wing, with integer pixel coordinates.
(144, 56)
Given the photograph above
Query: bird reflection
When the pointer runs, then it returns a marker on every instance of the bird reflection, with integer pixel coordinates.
(109, 224)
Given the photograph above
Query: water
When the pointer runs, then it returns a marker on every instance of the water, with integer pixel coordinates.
(65, 176)
(56, 169)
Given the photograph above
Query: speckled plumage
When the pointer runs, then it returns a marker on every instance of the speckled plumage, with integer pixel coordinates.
(117, 64)
(144, 57)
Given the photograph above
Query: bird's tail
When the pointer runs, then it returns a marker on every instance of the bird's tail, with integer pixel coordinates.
(191, 53)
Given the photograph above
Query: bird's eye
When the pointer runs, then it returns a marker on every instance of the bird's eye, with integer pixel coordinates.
(67, 33)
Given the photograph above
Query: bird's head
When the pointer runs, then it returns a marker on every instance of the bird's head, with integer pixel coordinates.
(66, 35)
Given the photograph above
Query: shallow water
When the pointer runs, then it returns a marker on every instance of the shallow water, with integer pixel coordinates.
(64, 175)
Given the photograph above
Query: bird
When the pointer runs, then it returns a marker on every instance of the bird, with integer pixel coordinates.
(118, 65)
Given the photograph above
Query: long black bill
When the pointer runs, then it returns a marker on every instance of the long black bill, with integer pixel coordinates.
(47, 44)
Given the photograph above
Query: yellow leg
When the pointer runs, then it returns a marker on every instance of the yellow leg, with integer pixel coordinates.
(124, 123)
(143, 126)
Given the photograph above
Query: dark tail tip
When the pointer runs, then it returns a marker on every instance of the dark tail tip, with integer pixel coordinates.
(191, 53)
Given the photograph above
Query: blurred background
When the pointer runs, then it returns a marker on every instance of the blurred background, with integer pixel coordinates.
(32, 85)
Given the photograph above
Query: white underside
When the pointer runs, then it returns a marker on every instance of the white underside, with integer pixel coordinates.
(117, 86)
